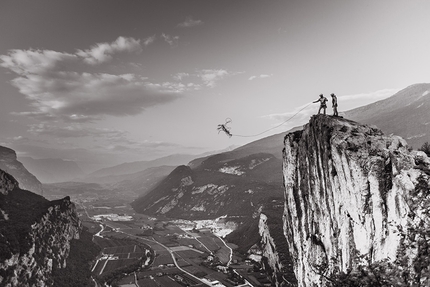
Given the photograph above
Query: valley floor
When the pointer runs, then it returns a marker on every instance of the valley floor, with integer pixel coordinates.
(179, 254)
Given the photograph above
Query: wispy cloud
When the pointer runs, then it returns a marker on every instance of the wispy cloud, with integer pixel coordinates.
(210, 77)
(202, 78)
(32, 62)
(262, 76)
(103, 52)
(148, 41)
(56, 90)
(189, 22)
(171, 40)
(180, 76)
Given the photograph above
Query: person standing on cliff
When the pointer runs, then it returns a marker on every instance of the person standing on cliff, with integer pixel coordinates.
(323, 104)
(334, 103)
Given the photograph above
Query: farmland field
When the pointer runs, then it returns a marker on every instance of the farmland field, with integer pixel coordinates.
(164, 239)
(147, 282)
(189, 254)
(212, 243)
(193, 269)
(115, 264)
(163, 258)
(99, 267)
(223, 254)
(122, 249)
(188, 241)
(166, 281)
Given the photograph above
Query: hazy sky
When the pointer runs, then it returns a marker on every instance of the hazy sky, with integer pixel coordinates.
(104, 82)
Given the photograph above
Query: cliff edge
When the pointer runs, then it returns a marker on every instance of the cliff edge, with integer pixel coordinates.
(357, 206)
(35, 234)
(10, 164)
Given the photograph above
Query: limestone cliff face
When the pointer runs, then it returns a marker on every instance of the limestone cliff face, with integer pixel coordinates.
(269, 249)
(352, 195)
(32, 244)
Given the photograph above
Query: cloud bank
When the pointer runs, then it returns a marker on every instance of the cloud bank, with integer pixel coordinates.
(52, 81)
(103, 52)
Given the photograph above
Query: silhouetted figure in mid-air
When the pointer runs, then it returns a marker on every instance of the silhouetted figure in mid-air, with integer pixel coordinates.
(225, 128)
(334, 103)
(323, 100)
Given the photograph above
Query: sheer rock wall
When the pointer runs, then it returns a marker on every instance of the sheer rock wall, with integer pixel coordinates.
(348, 190)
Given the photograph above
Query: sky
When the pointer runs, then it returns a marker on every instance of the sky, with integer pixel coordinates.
(104, 82)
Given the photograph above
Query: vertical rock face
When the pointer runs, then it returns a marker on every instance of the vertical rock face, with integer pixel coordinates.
(35, 235)
(274, 252)
(352, 196)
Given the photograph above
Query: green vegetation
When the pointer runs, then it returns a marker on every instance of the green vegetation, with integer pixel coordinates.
(78, 270)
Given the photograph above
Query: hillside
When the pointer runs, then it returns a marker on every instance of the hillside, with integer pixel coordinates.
(271, 144)
(404, 114)
(219, 186)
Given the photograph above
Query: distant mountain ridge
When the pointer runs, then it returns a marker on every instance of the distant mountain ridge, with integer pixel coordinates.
(49, 170)
(133, 167)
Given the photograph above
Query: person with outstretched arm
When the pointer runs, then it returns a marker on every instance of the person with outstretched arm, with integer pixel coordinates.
(323, 104)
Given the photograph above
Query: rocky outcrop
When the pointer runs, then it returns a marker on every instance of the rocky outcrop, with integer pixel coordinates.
(10, 164)
(35, 235)
(354, 198)
(276, 259)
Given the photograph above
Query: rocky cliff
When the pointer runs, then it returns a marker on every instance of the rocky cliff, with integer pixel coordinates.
(357, 206)
(35, 234)
(10, 164)
(276, 259)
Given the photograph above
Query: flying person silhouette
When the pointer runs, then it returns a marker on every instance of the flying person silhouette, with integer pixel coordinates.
(225, 128)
